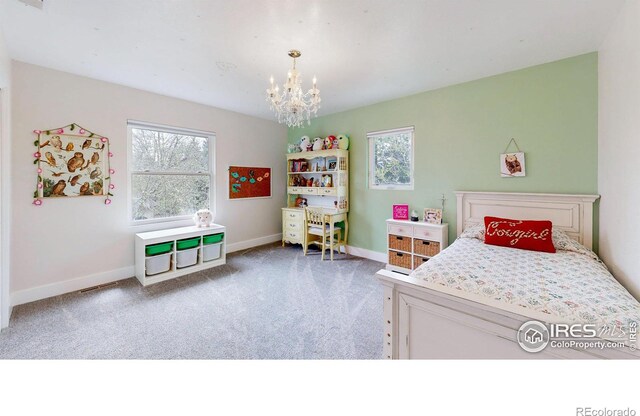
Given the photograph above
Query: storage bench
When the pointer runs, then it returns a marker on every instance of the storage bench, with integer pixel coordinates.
(166, 254)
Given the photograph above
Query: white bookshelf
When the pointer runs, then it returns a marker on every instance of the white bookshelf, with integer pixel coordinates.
(173, 235)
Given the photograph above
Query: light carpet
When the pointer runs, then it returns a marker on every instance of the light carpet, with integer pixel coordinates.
(268, 302)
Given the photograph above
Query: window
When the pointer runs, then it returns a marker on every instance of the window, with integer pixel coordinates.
(391, 159)
(170, 171)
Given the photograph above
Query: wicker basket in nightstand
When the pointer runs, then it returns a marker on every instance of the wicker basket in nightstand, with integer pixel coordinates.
(409, 244)
(400, 259)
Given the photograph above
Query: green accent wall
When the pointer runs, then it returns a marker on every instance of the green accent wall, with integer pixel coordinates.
(460, 131)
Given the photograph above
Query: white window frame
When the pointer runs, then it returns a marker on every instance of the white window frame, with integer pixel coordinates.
(211, 139)
(371, 136)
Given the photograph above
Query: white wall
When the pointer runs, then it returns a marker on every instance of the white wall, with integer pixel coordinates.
(619, 147)
(66, 238)
(5, 159)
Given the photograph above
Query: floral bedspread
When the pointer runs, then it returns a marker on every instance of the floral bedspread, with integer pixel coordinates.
(569, 286)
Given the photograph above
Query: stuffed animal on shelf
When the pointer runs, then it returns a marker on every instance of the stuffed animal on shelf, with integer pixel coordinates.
(330, 139)
(305, 144)
(310, 182)
(327, 143)
(343, 142)
(203, 218)
(317, 143)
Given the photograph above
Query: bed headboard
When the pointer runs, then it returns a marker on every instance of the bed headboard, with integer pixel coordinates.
(572, 214)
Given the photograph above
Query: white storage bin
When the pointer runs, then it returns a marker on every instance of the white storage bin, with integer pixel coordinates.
(158, 264)
(187, 258)
(211, 251)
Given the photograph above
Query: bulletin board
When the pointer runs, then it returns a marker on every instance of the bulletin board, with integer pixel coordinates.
(249, 182)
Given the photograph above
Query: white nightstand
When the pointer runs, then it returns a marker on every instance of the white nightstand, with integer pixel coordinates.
(411, 243)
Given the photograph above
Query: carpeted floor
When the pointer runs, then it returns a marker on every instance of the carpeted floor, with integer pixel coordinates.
(265, 303)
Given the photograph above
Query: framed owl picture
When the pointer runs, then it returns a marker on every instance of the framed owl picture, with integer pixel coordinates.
(512, 165)
(72, 162)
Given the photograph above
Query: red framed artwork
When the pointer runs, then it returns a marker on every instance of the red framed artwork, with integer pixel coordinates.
(249, 182)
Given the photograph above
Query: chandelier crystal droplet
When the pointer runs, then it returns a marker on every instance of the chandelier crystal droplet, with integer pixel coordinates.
(292, 106)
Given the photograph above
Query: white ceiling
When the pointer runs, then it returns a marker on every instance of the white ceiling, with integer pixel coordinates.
(221, 53)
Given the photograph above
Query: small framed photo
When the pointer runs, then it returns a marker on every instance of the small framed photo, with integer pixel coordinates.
(400, 212)
(332, 165)
(433, 215)
(512, 165)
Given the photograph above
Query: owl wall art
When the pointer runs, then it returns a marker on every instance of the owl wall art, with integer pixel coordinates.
(512, 165)
(72, 161)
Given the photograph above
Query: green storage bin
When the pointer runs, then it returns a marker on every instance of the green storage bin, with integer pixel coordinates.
(188, 243)
(160, 248)
(212, 239)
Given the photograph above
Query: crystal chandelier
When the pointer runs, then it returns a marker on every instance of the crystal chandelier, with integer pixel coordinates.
(293, 107)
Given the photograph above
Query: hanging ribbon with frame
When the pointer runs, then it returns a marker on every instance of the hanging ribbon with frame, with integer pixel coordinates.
(72, 161)
(512, 164)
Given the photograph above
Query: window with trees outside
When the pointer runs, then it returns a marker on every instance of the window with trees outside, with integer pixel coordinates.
(170, 171)
(391, 159)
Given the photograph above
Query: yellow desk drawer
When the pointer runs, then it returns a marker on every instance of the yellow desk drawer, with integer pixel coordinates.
(294, 190)
(309, 191)
(328, 191)
(293, 226)
(293, 236)
(292, 216)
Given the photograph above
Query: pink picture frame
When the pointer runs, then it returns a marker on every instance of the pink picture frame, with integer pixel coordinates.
(400, 212)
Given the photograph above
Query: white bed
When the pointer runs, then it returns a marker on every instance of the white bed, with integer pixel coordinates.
(464, 304)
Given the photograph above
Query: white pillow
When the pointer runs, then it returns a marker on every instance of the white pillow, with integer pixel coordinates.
(474, 231)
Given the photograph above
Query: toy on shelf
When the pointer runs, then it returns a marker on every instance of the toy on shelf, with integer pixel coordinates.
(203, 218)
(343, 142)
(305, 144)
(317, 144)
(327, 143)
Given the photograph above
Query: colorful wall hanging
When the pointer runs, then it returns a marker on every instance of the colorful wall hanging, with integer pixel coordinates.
(400, 212)
(72, 161)
(249, 182)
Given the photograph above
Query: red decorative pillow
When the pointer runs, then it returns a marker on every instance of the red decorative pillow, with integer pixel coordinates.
(524, 234)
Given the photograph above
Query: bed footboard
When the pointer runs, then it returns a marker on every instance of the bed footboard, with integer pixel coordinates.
(422, 323)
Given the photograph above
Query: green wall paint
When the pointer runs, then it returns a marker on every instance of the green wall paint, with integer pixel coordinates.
(460, 131)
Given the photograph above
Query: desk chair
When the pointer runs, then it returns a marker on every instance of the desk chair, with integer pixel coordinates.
(318, 229)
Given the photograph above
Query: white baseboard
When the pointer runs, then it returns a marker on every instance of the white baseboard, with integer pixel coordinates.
(367, 254)
(4, 319)
(71, 285)
(243, 245)
(59, 288)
